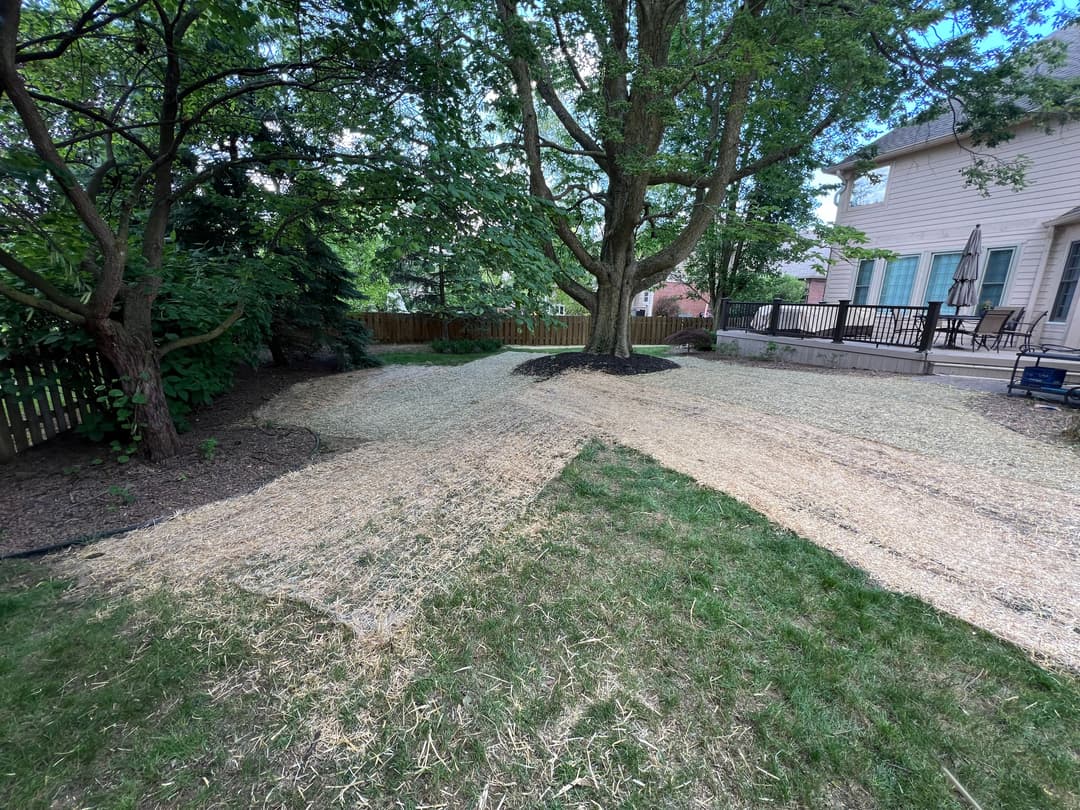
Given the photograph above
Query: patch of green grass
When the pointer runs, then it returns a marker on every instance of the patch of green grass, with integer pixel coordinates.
(655, 351)
(110, 705)
(430, 358)
(651, 643)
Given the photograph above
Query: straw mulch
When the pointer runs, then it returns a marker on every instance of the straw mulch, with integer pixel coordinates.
(983, 524)
(902, 479)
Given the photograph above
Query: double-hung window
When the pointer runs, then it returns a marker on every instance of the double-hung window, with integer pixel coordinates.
(1067, 288)
(995, 274)
(899, 278)
(942, 270)
(862, 282)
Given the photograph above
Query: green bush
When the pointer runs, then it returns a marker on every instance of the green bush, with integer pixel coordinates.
(467, 346)
(700, 339)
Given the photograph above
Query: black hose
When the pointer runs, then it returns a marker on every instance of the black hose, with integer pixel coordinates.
(79, 541)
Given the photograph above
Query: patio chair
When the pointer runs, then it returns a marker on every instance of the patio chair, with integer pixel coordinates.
(1024, 330)
(989, 328)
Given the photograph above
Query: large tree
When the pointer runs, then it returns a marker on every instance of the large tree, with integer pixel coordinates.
(112, 112)
(641, 116)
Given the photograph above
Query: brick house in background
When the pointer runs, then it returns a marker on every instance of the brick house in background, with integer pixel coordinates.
(648, 303)
(813, 280)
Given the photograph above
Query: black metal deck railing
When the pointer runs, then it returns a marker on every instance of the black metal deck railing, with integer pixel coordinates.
(908, 327)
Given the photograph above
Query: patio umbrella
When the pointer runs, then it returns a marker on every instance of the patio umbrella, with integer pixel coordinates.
(962, 291)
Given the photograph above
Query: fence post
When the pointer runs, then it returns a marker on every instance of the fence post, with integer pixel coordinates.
(725, 313)
(774, 316)
(926, 340)
(841, 320)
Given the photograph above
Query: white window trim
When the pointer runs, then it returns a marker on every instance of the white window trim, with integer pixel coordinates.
(885, 194)
(930, 269)
(1006, 288)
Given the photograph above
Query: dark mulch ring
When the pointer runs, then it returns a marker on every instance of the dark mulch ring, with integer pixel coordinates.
(551, 365)
(70, 488)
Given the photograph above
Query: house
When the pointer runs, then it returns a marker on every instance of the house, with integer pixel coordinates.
(806, 271)
(916, 204)
(683, 299)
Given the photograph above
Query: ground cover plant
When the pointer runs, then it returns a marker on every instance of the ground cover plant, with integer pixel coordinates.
(635, 641)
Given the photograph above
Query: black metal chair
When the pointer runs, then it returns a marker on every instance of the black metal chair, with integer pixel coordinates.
(1024, 330)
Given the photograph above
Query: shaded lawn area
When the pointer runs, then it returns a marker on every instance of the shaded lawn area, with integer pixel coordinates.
(639, 642)
(430, 358)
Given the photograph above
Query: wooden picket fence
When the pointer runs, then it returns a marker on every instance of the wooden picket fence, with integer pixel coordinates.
(566, 330)
(43, 395)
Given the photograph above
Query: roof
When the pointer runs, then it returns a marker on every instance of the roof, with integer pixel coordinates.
(917, 136)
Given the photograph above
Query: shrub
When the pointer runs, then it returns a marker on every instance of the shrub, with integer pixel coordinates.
(700, 339)
(467, 346)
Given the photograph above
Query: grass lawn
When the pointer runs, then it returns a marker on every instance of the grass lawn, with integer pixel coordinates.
(638, 642)
(430, 358)
(655, 351)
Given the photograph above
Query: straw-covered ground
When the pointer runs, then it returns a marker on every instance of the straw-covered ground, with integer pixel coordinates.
(346, 615)
(904, 480)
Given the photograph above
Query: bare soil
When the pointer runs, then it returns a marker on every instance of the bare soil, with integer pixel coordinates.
(70, 488)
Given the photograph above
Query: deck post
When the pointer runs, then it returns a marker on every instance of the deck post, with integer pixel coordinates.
(774, 316)
(841, 320)
(725, 313)
(926, 339)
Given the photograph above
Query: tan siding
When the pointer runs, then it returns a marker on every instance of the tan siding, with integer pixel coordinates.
(1062, 333)
(928, 209)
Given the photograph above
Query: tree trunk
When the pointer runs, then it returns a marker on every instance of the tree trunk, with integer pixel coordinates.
(135, 360)
(610, 323)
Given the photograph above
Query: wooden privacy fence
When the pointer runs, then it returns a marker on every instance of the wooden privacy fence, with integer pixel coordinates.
(566, 330)
(43, 395)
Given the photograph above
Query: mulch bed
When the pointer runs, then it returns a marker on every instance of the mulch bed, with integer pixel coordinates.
(549, 366)
(70, 488)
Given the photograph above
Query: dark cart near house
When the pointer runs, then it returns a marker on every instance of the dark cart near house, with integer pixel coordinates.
(1047, 380)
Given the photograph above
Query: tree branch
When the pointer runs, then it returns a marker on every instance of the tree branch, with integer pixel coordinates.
(579, 292)
(41, 284)
(206, 337)
(124, 132)
(80, 29)
(42, 304)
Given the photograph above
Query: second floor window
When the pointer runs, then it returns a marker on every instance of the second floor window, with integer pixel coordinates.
(869, 188)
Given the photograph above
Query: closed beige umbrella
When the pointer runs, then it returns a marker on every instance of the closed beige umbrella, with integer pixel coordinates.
(962, 292)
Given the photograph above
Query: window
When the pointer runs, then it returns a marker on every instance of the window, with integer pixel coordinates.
(942, 269)
(862, 282)
(899, 278)
(869, 189)
(994, 276)
(1067, 288)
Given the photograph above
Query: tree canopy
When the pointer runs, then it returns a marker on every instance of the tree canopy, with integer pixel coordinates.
(637, 119)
